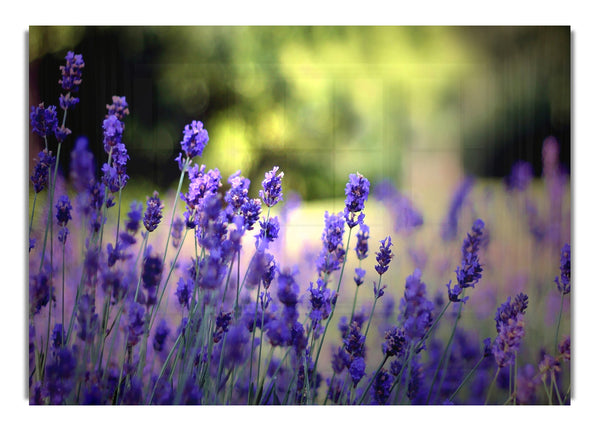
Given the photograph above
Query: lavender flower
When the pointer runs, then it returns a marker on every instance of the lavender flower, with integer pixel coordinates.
(564, 348)
(384, 256)
(362, 242)
(382, 385)
(153, 213)
(520, 176)
(119, 108)
(407, 216)
(134, 217)
(195, 138)
(160, 335)
(113, 132)
(222, 323)
(185, 288)
(71, 79)
(415, 309)
(43, 120)
(203, 187)
(269, 231)
(354, 342)
(510, 327)
(135, 323)
(237, 195)
(41, 291)
(87, 319)
(564, 282)
(469, 273)
(251, 211)
(333, 252)
(320, 301)
(271, 192)
(41, 170)
(152, 268)
(59, 376)
(378, 290)
(176, 233)
(357, 192)
(450, 224)
(82, 165)
(63, 210)
(359, 277)
(357, 370)
(394, 343)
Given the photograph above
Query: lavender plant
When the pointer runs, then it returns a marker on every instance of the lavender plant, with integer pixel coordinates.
(241, 327)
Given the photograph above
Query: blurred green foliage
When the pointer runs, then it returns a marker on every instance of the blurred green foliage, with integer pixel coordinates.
(320, 102)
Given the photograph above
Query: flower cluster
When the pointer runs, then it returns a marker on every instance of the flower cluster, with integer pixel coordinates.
(469, 273)
(224, 316)
(510, 326)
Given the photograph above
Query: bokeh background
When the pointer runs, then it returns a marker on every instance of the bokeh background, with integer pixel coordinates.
(424, 106)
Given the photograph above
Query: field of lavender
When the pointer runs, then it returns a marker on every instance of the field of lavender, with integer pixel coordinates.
(207, 295)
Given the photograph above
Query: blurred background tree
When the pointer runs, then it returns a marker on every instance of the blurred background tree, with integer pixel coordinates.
(421, 105)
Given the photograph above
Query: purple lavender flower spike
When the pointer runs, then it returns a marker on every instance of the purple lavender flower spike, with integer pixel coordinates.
(82, 165)
(185, 288)
(152, 268)
(510, 327)
(269, 232)
(250, 211)
(237, 195)
(153, 213)
(357, 192)
(362, 242)
(564, 282)
(41, 170)
(384, 256)
(415, 309)
(119, 108)
(469, 273)
(113, 132)
(407, 216)
(271, 192)
(195, 138)
(381, 388)
(63, 210)
(71, 79)
(43, 120)
(520, 176)
(450, 224)
(394, 343)
(41, 291)
(71, 72)
(160, 335)
(135, 323)
(359, 277)
(357, 370)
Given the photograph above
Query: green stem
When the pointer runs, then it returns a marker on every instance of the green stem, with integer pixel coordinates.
(445, 356)
(366, 390)
(32, 212)
(555, 385)
(467, 377)
(490, 390)
(333, 306)
(164, 367)
(372, 308)
(186, 164)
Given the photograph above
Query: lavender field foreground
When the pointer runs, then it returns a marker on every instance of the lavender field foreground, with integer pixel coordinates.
(206, 305)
